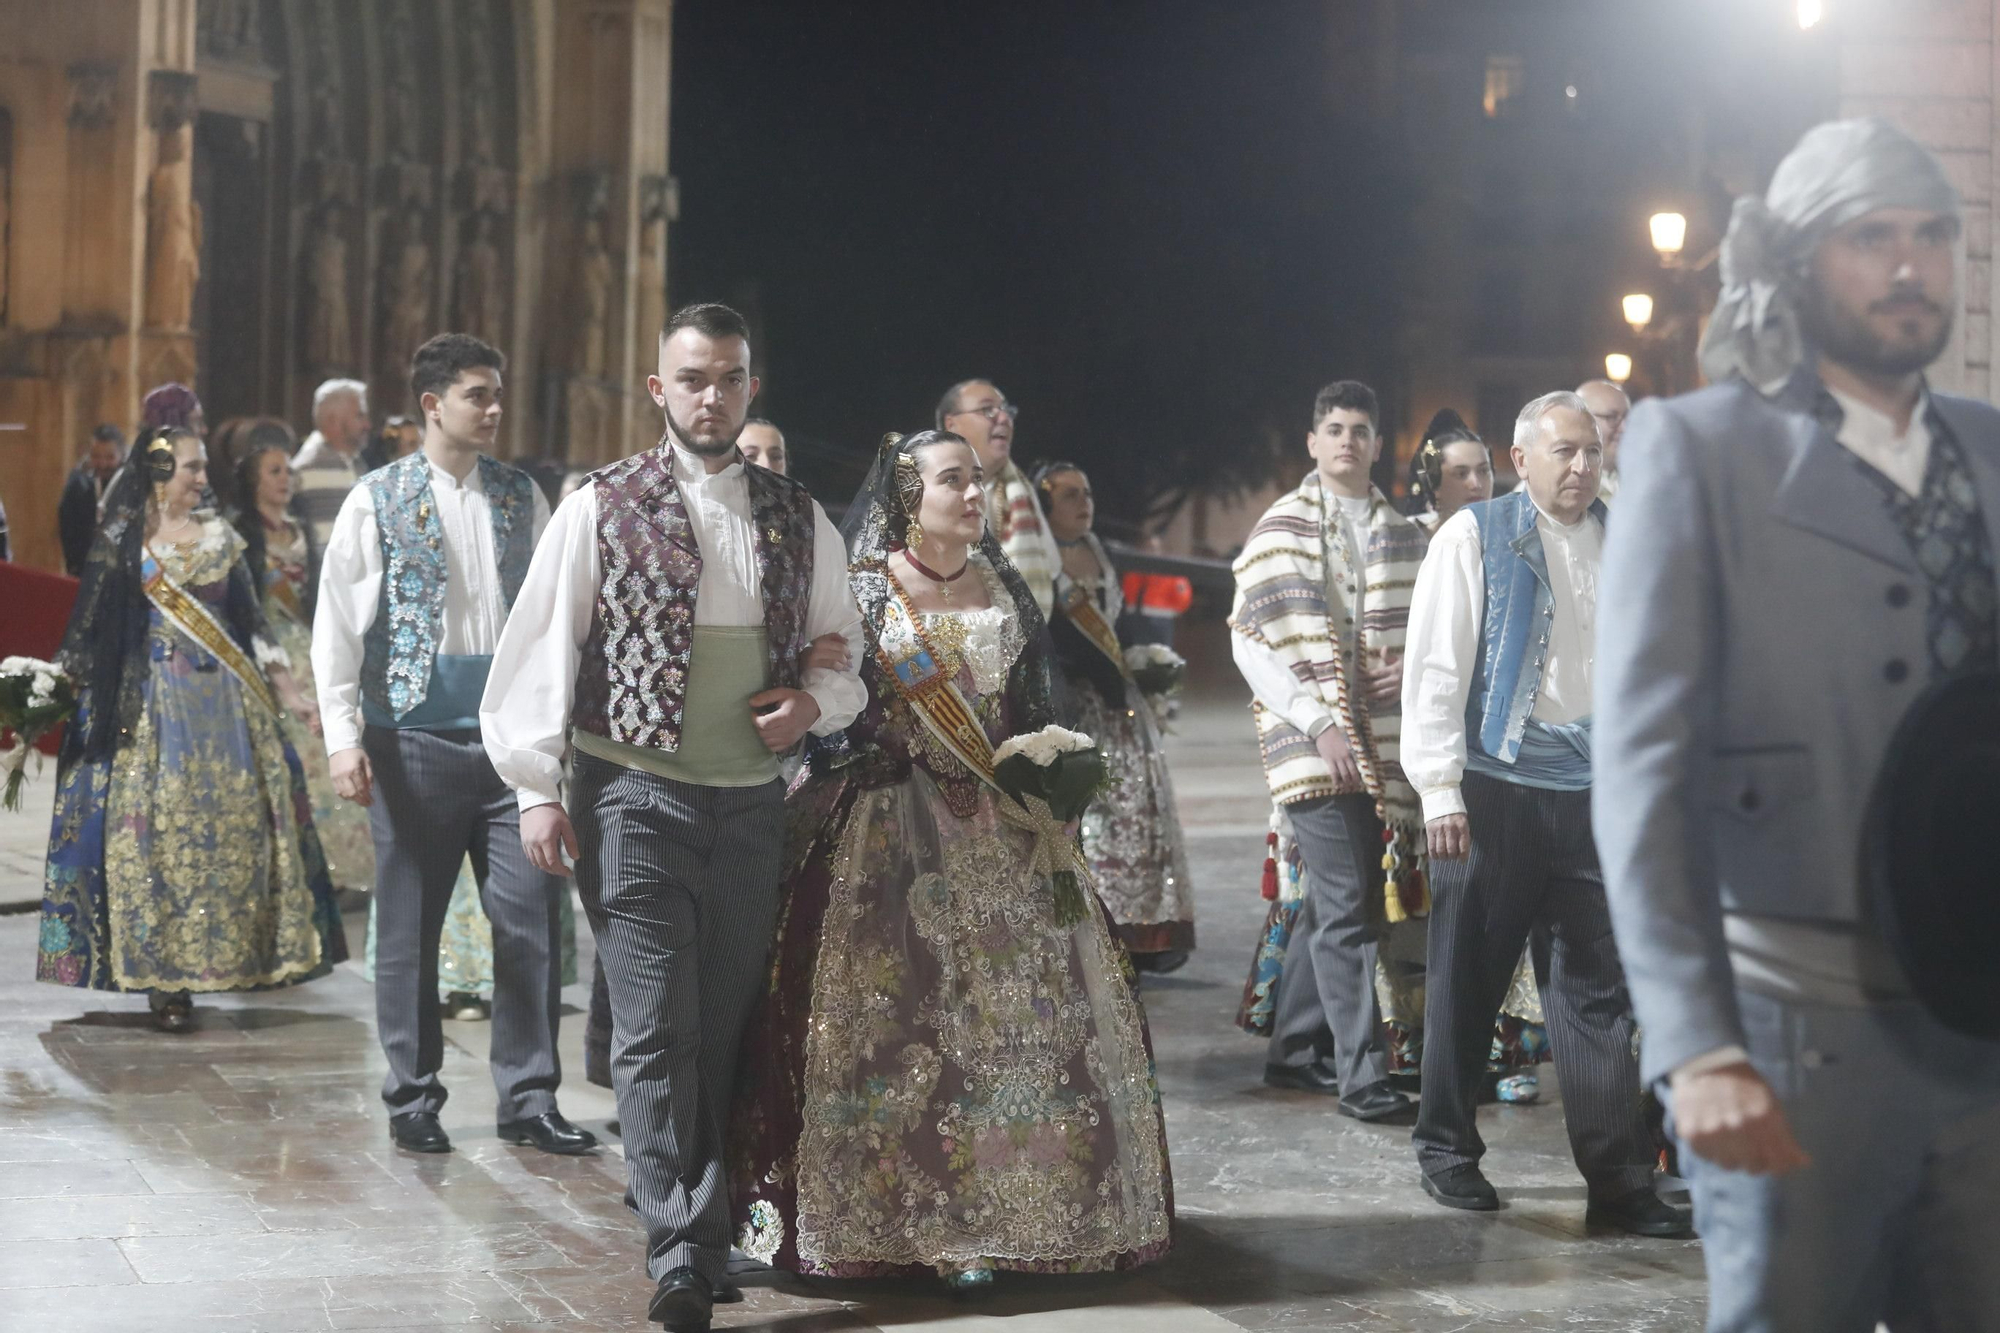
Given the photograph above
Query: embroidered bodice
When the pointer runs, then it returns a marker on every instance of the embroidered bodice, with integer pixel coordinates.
(201, 566)
(986, 641)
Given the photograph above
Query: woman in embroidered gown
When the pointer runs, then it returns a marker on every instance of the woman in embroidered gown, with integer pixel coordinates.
(1132, 834)
(942, 1077)
(280, 548)
(183, 856)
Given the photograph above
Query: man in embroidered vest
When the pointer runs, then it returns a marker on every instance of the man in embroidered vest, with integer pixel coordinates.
(657, 644)
(1803, 549)
(426, 556)
(1322, 598)
(979, 412)
(1496, 740)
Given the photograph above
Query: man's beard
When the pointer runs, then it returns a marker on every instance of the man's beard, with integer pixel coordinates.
(1840, 336)
(701, 449)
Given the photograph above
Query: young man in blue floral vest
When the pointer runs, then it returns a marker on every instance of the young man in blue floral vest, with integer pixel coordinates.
(424, 562)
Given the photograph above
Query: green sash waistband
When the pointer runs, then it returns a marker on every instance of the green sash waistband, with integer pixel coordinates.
(719, 742)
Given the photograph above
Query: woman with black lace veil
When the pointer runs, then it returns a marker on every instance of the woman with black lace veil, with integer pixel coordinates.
(183, 856)
(944, 1074)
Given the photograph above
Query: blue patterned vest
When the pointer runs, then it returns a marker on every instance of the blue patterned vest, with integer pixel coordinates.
(1514, 630)
(401, 645)
(632, 681)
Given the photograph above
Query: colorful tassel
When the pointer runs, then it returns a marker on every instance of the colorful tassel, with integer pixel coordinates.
(1270, 886)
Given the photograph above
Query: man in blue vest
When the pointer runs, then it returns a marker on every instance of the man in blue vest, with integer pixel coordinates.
(424, 562)
(1496, 740)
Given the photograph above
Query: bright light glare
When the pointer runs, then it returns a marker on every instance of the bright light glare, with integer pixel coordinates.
(1670, 232)
(1617, 367)
(1638, 310)
(1810, 13)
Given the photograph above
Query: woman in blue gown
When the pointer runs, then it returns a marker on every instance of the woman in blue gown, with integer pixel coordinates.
(182, 857)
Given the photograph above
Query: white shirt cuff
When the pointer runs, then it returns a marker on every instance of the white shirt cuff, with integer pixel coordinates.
(340, 733)
(1318, 725)
(530, 797)
(1442, 801)
(1720, 1058)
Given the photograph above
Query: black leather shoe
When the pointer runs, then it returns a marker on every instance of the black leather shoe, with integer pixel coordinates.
(1315, 1077)
(1462, 1187)
(1642, 1213)
(549, 1132)
(418, 1131)
(683, 1302)
(1378, 1102)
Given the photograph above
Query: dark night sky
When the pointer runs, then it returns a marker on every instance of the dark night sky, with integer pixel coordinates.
(1141, 219)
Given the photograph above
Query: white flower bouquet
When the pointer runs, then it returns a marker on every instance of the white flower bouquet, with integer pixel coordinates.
(1053, 775)
(35, 697)
(1157, 669)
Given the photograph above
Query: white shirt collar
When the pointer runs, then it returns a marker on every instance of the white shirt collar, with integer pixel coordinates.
(1869, 430)
(439, 477)
(1560, 527)
(689, 467)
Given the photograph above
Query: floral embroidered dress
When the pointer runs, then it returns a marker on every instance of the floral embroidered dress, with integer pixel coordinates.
(1132, 832)
(184, 858)
(941, 1077)
(342, 825)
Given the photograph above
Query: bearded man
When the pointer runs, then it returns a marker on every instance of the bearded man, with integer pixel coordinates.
(1805, 556)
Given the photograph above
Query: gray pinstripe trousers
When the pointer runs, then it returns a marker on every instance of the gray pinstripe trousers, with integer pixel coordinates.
(680, 883)
(1326, 1005)
(1533, 867)
(437, 800)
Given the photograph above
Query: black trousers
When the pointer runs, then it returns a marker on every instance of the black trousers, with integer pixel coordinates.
(1533, 868)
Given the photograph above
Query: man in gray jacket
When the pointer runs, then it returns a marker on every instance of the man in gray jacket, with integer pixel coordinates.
(1803, 548)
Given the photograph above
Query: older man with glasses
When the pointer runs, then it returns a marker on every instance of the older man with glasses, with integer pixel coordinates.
(977, 410)
(1609, 406)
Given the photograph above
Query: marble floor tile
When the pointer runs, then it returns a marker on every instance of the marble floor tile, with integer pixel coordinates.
(63, 1264)
(79, 1217)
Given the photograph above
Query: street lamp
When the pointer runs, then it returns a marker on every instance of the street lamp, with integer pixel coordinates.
(1638, 311)
(1670, 232)
(1617, 367)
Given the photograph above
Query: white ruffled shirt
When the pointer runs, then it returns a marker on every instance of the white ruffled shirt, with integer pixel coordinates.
(524, 717)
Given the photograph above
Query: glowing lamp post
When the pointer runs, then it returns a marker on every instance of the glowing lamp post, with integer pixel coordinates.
(1638, 311)
(1670, 231)
(1617, 367)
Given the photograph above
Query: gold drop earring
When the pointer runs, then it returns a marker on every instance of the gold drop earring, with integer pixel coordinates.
(913, 535)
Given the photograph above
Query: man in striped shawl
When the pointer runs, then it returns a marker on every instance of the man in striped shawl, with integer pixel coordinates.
(1322, 597)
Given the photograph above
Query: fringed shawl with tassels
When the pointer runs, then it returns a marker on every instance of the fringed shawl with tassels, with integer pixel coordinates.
(1287, 600)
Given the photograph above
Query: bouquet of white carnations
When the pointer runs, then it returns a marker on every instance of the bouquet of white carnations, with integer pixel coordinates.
(1157, 669)
(35, 697)
(1053, 775)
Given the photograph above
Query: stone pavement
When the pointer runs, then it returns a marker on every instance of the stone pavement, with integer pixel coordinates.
(240, 1178)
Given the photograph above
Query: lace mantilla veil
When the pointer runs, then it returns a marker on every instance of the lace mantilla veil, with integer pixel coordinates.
(874, 527)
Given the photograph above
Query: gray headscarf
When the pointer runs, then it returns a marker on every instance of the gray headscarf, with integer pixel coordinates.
(1840, 170)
